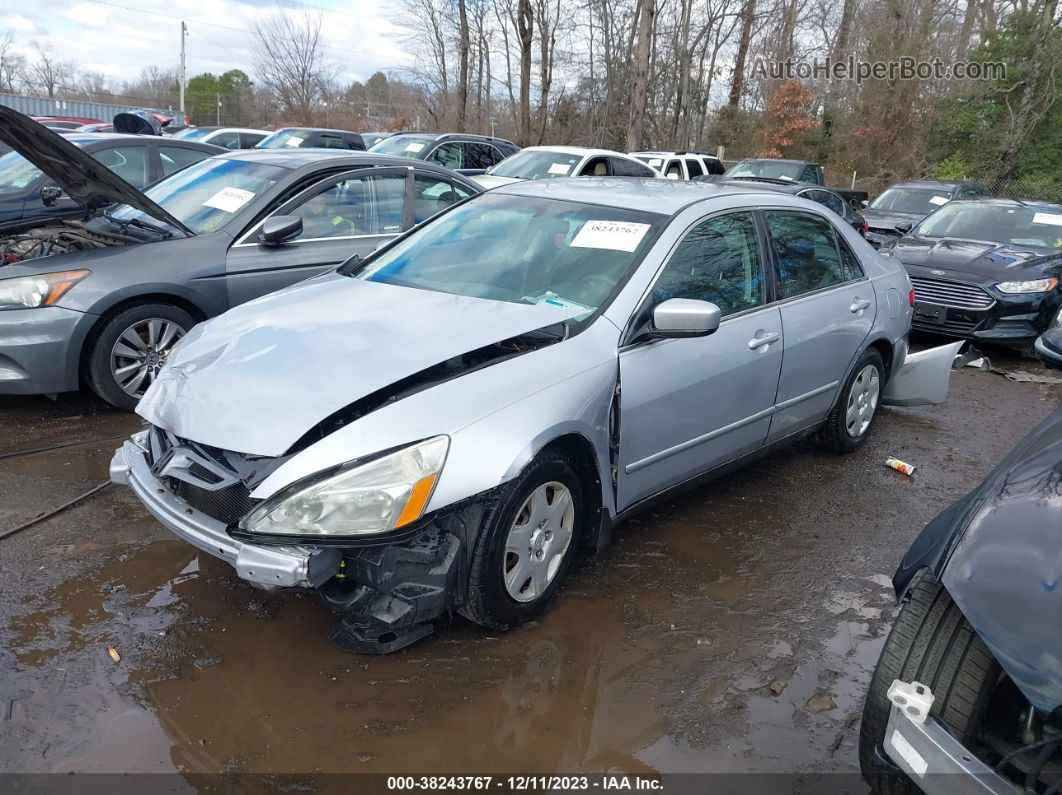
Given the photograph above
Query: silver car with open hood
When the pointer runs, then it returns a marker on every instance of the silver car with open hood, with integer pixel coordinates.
(441, 425)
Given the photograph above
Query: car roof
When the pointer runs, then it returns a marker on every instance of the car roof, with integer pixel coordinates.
(84, 138)
(318, 129)
(933, 183)
(675, 153)
(299, 158)
(662, 196)
(776, 160)
(996, 201)
(574, 150)
(438, 136)
(236, 129)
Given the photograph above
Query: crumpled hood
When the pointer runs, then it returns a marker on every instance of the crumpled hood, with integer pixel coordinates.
(887, 219)
(995, 261)
(257, 378)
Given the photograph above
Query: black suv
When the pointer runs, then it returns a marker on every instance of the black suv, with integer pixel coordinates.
(466, 154)
(903, 205)
(312, 138)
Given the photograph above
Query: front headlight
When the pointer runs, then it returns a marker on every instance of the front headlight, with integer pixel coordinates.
(365, 499)
(1031, 286)
(28, 292)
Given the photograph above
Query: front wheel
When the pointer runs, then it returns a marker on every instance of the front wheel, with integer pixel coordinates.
(130, 348)
(525, 544)
(931, 642)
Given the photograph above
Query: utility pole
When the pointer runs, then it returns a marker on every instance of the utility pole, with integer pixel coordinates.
(182, 77)
(219, 110)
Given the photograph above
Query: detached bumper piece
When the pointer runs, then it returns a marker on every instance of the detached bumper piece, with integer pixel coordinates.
(388, 596)
(932, 758)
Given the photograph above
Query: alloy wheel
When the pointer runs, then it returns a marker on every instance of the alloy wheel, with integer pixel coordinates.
(538, 540)
(862, 401)
(140, 351)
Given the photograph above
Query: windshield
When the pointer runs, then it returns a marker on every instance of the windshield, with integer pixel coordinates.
(405, 145)
(911, 200)
(1019, 226)
(371, 139)
(194, 133)
(16, 172)
(521, 249)
(285, 139)
(537, 164)
(207, 194)
(766, 169)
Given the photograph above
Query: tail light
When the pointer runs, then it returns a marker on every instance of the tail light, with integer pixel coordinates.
(911, 296)
(864, 228)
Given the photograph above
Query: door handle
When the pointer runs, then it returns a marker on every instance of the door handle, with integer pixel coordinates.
(858, 305)
(763, 339)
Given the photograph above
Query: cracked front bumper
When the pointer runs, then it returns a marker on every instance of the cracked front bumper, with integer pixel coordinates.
(268, 567)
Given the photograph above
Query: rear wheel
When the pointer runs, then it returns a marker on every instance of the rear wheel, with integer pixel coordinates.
(130, 348)
(932, 643)
(849, 422)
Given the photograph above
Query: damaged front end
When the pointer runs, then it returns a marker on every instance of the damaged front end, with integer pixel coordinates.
(387, 591)
(62, 237)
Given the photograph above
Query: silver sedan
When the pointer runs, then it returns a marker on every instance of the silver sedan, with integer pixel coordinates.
(441, 425)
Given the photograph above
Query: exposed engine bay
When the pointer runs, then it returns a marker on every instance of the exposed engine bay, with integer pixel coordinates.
(60, 237)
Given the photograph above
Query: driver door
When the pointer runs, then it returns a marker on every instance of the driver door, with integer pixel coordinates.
(349, 213)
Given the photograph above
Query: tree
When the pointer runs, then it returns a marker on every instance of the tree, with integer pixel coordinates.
(12, 63)
(788, 117)
(646, 16)
(289, 61)
(48, 73)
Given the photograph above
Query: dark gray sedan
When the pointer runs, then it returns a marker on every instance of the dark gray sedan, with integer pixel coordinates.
(102, 300)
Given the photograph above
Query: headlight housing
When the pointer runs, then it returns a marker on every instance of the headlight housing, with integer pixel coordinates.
(1030, 286)
(358, 500)
(29, 292)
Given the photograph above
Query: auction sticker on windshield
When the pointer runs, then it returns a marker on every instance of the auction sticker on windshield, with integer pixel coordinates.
(559, 168)
(938, 200)
(293, 140)
(615, 235)
(413, 147)
(229, 199)
(1054, 219)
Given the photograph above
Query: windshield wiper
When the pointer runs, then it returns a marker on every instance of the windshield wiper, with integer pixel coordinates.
(125, 223)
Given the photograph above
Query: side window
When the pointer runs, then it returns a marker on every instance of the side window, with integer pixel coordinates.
(594, 168)
(174, 158)
(128, 162)
(250, 140)
(354, 207)
(849, 261)
(826, 199)
(805, 251)
(451, 155)
(810, 174)
(673, 170)
(433, 196)
(718, 261)
(693, 165)
(715, 166)
(622, 167)
(230, 140)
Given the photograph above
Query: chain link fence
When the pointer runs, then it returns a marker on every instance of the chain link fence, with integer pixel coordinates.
(1041, 189)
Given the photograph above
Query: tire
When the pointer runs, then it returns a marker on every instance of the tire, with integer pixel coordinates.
(488, 600)
(836, 434)
(932, 643)
(100, 365)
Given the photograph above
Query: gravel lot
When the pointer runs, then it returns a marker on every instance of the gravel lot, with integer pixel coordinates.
(732, 629)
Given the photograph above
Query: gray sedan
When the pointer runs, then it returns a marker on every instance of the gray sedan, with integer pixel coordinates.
(102, 300)
(441, 425)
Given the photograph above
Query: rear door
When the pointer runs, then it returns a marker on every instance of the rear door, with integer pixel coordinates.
(350, 213)
(828, 307)
(688, 405)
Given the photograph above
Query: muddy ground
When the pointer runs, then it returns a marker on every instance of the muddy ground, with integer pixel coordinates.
(732, 629)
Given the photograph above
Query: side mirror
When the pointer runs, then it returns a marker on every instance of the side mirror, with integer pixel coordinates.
(865, 203)
(1049, 348)
(280, 229)
(685, 317)
(50, 194)
(904, 227)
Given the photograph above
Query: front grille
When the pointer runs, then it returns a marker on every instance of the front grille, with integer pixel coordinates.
(227, 505)
(952, 294)
(951, 325)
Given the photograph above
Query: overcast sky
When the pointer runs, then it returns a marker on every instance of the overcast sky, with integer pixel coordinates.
(120, 37)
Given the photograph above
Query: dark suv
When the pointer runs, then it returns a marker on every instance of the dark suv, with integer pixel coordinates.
(312, 138)
(904, 204)
(466, 154)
